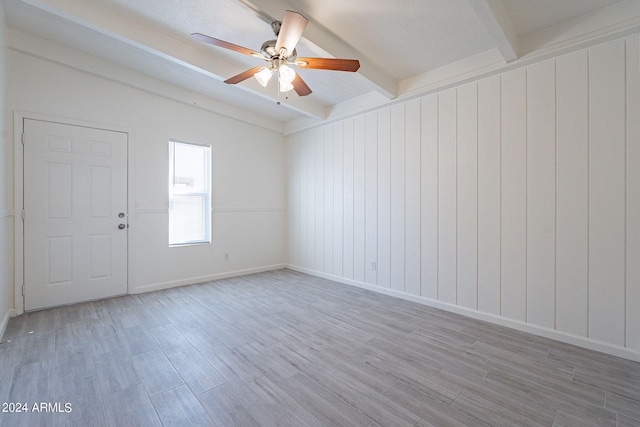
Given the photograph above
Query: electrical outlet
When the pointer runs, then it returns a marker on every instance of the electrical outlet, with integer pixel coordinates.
(226, 256)
(373, 265)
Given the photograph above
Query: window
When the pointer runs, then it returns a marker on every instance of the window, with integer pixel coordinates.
(189, 193)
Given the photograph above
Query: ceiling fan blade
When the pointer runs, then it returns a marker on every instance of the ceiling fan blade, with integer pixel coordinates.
(226, 45)
(291, 30)
(300, 86)
(329, 64)
(243, 76)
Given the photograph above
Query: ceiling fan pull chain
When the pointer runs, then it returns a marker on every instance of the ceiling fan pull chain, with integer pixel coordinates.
(278, 103)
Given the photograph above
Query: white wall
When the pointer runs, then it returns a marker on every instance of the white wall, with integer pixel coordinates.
(6, 207)
(248, 169)
(515, 198)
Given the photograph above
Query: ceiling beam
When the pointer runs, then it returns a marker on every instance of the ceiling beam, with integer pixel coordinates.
(493, 16)
(325, 43)
(131, 32)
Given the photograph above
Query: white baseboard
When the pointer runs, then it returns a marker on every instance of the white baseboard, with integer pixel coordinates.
(564, 337)
(5, 321)
(202, 279)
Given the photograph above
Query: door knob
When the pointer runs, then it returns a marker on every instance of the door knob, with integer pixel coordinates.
(122, 226)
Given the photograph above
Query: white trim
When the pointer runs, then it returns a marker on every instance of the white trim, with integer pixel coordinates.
(18, 185)
(220, 210)
(6, 214)
(514, 324)
(201, 279)
(18, 203)
(147, 211)
(5, 321)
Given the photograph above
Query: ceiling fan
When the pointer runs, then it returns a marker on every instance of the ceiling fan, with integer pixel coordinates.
(281, 55)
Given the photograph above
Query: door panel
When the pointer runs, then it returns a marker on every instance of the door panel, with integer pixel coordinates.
(75, 187)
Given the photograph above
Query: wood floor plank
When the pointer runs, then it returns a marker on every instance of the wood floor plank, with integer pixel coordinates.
(268, 362)
(312, 341)
(623, 383)
(9, 358)
(351, 366)
(170, 339)
(564, 419)
(84, 397)
(178, 407)
(115, 372)
(105, 339)
(624, 421)
(417, 375)
(587, 360)
(300, 356)
(497, 355)
(559, 385)
(228, 334)
(137, 340)
(489, 412)
(31, 383)
(196, 371)
(623, 405)
(74, 363)
(131, 407)
(36, 347)
(375, 406)
(272, 407)
(223, 404)
(233, 366)
(156, 372)
(550, 397)
(5, 387)
(324, 405)
(198, 336)
(497, 396)
(127, 318)
(435, 410)
(284, 348)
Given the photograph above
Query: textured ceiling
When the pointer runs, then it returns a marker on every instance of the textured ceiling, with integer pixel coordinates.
(398, 43)
(530, 16)
(405, 38)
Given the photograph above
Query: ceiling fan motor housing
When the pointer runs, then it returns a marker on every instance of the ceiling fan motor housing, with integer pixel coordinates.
(268, 49)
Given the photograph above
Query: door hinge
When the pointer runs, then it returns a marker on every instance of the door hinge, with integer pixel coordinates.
(22, 139)
(22, 290)
(22, 214)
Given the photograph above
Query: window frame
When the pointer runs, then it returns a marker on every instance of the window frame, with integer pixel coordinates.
(205, 194)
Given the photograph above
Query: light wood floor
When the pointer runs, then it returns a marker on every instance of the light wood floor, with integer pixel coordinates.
(286, 349)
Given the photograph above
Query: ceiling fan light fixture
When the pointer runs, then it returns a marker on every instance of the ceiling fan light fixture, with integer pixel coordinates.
(263, 76)
(286, 74)
(285, 86)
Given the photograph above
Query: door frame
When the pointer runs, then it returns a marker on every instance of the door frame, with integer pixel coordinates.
(18, 192)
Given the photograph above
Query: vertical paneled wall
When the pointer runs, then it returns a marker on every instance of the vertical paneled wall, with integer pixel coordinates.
(516, 196)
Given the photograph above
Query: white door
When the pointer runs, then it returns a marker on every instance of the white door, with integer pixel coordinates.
(75, 223)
